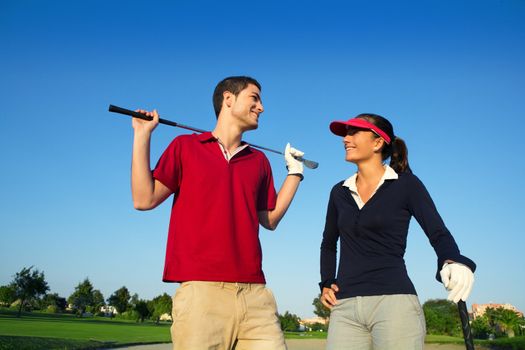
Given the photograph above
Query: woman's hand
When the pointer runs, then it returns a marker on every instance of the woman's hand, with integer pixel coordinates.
(328, 296)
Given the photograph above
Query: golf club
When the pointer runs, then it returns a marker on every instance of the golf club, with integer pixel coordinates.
(465, 325)
(307, 163)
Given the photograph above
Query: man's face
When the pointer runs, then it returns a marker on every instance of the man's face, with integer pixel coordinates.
(247, 106)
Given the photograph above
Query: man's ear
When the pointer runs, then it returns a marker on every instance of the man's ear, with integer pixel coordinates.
(228, 98)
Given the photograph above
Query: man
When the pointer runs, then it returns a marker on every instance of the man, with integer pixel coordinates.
(223, 189)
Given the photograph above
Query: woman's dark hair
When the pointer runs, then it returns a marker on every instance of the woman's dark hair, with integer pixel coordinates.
(397, 150)
(232, 84)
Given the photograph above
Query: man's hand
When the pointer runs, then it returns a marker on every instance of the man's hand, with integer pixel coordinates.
(294, 166)
(328, 296)
(145, 126)
(458, 280)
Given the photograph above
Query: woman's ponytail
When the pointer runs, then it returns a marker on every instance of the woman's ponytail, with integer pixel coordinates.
(399, 156)
(396, 150)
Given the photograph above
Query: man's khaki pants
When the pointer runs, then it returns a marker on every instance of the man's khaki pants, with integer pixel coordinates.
(224, 316)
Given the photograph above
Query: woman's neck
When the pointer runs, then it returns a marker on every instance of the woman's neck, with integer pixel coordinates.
(369, 173)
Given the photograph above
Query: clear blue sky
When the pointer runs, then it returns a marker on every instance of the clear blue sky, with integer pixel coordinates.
(450, 75)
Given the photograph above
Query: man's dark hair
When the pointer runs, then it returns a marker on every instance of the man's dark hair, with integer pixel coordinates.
(232, 84)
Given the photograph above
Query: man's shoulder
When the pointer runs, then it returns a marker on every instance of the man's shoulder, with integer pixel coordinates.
(184, 139)
(257, 153)
(187, 138)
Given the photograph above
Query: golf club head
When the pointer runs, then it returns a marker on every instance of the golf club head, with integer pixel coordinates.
(308, 163)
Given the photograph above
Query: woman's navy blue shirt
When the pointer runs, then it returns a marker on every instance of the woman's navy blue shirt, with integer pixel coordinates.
(373, 239)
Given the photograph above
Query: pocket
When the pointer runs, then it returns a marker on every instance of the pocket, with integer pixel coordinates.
(416, 305)
(182, 300)
(270, 299)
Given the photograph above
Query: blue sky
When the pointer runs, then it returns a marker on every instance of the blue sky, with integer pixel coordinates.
(449, 75)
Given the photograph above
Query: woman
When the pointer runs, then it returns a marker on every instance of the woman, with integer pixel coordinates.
(372, 300)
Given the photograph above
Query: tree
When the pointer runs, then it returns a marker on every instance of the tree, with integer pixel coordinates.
(442, 317)
(141, 307)
(7, 295)
(53, 302)
(159, 306)
(508, 320)
(82, 297)
(98, 302)
(28, 286)
(321, 310)
(480, 327)
(318, 327)
(289, 322)
(120, 299)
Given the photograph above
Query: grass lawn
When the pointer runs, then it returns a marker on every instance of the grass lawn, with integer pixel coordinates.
(305, 335)
(38, 331)
(516, 343)
(82, 333)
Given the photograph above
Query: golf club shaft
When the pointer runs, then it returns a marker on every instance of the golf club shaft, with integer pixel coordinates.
(465, 325)
(308, 163)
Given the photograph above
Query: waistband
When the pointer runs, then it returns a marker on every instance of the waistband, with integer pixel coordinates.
(227, 285)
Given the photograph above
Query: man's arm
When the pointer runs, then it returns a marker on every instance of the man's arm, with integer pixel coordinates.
(147, 192)
(269, 219)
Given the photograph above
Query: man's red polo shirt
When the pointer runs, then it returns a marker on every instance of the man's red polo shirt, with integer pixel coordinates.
(214, 227)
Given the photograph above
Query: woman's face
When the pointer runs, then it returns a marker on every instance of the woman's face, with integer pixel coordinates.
(360, 145)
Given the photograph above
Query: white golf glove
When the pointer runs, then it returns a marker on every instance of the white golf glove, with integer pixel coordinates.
(294, 166)
(458, 280)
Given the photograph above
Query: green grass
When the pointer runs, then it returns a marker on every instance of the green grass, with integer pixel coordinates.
(305, 335)
(516, 343)
(38, 331)
(443, 339)
(70, 332)
(37, 343)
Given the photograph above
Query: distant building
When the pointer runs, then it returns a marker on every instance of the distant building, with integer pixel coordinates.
(480, 309)
(165, 317)
(312, 320)
(108, 310)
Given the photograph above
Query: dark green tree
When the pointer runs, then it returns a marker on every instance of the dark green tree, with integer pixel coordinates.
(481, 328)
(142, 310)
(508, 320)
(98, 302)
(7, 295)
(159, 306)
(53, 302)
(28, 286)
(82, 297)
(120, 299)
(289, 322)
(319, 309)
(442, 317)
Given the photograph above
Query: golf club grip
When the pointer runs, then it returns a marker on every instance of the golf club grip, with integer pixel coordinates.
(465, 325)
(116, 109)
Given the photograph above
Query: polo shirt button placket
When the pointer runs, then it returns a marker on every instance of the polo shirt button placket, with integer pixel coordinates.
(356, 225)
